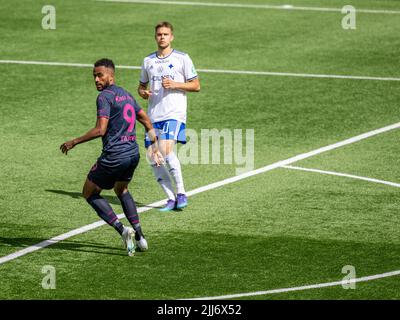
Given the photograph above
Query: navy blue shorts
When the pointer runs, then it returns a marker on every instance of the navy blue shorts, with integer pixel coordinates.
(105, 173)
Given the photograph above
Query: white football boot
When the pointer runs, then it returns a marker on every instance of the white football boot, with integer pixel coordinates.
(127, 237)
(142, 244)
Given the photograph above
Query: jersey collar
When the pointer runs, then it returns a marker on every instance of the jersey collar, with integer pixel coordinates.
(166, 56)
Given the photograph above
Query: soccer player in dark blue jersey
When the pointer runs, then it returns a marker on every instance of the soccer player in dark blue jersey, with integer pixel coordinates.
(117, 112)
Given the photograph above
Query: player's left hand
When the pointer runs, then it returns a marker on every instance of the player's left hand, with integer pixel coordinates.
(66, 146)
(169, 84)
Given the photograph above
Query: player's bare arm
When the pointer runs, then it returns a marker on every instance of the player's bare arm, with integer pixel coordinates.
(143, 91)
(189, 86)
(98, 131)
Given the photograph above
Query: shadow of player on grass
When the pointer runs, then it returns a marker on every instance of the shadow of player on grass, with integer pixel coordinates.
(111, 199)
(86, 246)
(78, 195)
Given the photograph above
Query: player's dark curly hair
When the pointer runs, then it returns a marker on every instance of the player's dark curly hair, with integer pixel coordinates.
(105, 63)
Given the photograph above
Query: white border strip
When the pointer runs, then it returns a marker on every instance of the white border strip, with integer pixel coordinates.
(393, 184)
(249, 6)
(243, 72)
(208, 187)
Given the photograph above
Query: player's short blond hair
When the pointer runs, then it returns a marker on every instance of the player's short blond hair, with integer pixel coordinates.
(165, 24)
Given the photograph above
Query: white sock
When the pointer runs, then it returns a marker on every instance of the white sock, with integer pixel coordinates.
(163, 179)
(174, 167)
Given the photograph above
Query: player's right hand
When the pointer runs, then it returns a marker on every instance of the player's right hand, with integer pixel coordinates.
(66, 146)
(145, 94)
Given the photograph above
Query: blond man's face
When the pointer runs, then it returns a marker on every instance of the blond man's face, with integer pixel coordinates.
(164, 37)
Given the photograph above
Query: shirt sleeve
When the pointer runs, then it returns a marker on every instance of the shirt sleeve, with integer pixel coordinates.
(144, 77)
(103, 107)
(189, 69)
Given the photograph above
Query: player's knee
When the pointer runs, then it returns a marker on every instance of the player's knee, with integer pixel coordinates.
(87, 193)
(89, 188)
(166, 153)
(119, 192)
(120, 189)
(168, 147)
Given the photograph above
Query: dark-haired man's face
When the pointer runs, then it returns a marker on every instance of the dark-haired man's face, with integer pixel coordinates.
(103, 77)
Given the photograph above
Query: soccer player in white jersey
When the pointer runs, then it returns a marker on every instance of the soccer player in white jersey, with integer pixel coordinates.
(166, 76)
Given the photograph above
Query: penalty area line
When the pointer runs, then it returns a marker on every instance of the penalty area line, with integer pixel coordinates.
(352, 176)
(208, 187)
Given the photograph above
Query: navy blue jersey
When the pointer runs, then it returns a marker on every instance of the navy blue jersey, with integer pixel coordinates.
(119, 106)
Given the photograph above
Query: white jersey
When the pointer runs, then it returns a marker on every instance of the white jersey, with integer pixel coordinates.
(167, 104)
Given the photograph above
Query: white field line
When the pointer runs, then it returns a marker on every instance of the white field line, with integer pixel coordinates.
(307, 287)
(393, 184)
(242, 72)
(208, 187)
(286, 7)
